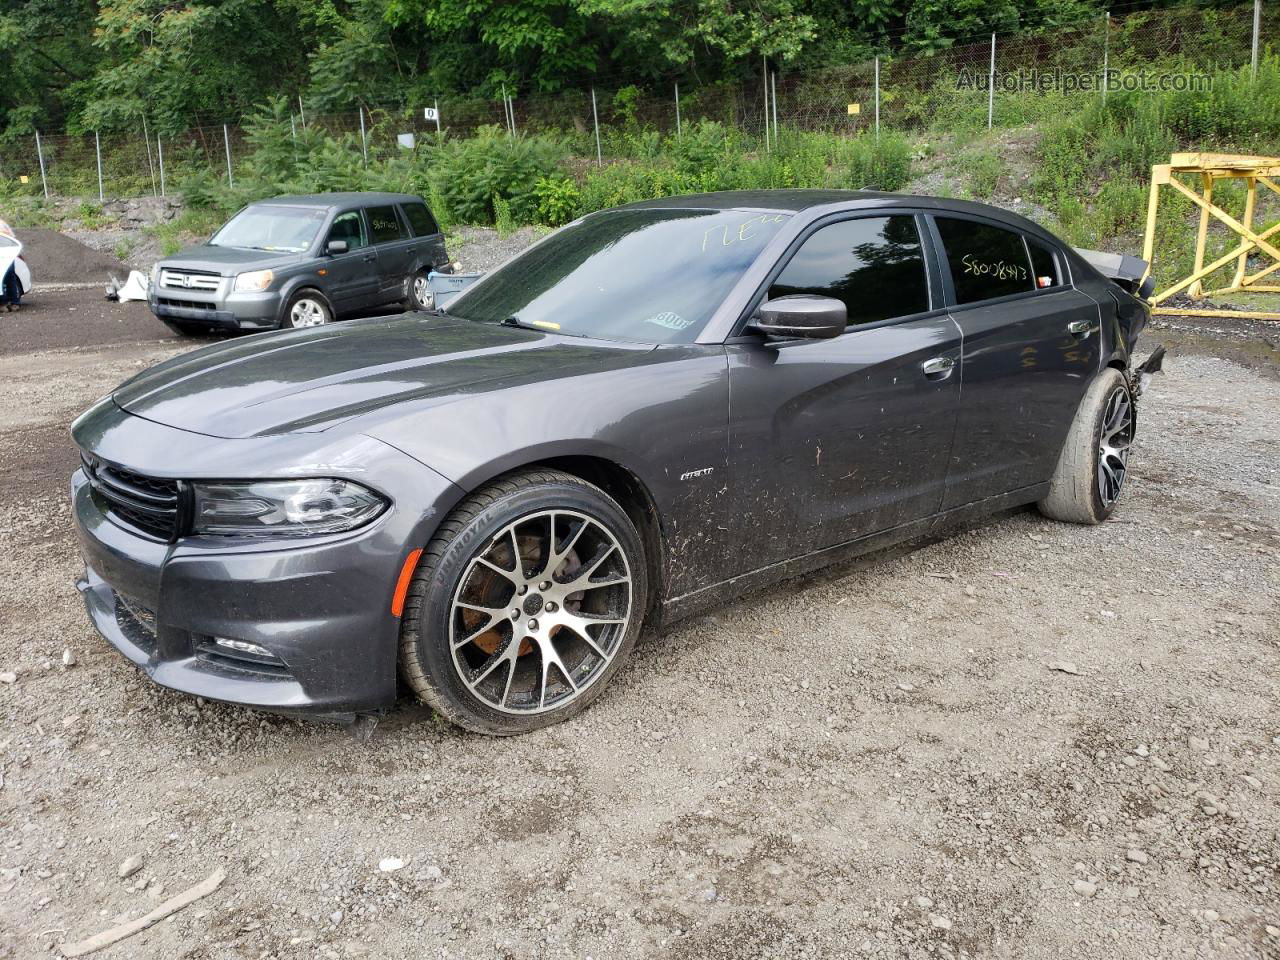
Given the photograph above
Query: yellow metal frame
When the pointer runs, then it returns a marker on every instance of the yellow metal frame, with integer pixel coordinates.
(1212, 167)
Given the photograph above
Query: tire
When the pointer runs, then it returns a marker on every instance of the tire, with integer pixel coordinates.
(1093, 465)
(484, 664)
(420, 296)
(306, 308)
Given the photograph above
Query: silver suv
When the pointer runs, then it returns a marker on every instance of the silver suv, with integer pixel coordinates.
(302, 262)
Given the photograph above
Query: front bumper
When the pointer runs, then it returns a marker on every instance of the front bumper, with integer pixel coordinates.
(222, 310)
(322, 607)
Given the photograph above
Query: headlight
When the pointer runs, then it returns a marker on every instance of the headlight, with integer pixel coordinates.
(257, 280)
(286, 508)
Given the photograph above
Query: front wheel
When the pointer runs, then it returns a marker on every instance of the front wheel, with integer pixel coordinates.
(306, 308)
(524, 605)
(1094, 462)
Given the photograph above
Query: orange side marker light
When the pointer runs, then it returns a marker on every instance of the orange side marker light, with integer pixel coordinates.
(402, 585)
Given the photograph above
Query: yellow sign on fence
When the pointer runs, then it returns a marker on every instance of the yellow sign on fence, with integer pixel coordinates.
(855, 108)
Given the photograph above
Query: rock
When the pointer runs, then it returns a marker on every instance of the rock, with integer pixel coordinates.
(8, 677)
(924, 903)
(68, 658)
(130, 866)
(1160, 764)
(433, 872)
(1084, 888)
(336, 917)
(1253, 781)
(1142, 750)
(390, 864)
(1210, 915)
(1064, 666)
(1134, 855)
(939, 922)
(1198, 744)
(906, 687)
(1273, 931)
(1131, 893)
(710, 895)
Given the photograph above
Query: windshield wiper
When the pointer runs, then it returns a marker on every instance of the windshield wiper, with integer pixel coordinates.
(526, 325)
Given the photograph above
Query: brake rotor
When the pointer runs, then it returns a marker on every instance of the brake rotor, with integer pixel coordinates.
(492, 588)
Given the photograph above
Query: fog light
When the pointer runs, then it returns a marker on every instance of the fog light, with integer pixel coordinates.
(243, 646)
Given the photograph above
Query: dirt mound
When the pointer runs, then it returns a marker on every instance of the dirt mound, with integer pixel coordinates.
(55, 258)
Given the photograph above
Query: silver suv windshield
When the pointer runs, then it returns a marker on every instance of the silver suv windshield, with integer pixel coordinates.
(648, 275)
(279, 229)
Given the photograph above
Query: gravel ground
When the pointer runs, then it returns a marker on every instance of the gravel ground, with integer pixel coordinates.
(881, 760)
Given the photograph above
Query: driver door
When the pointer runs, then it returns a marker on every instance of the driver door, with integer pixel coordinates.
(351, 278)
(834, 440)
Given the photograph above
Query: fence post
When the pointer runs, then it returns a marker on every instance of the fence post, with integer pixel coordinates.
(302, 113)
(677, 109)
(1106, 51)
(774, 92)
(436, 103)
(226, 142)
(764, 75)
(160, 155)
(364, 143)
(44, 182)
(991, 85)
(595, 119)
(151, 167)
(97, 150)
(877, 98)
(511, 105)
(1257, 24)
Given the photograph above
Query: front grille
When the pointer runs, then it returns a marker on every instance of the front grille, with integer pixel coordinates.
(148, 504)
(189, 280)
(186, 304)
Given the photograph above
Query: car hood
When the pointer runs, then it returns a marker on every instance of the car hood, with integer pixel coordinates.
(310, 380)
(227, 261)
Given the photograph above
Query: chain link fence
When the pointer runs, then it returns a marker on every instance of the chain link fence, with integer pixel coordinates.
(999, 80)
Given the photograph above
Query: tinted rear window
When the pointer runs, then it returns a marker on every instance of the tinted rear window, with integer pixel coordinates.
(384, 225)
(420, 219)
(874, 264)
(986, 261)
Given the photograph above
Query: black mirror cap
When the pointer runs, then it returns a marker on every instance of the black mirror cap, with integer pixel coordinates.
(336, 246)
(804, 316)
(1147, 287)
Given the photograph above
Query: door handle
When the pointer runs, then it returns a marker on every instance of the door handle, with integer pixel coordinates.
(938, 368)
(369, 259)
(1081, 328)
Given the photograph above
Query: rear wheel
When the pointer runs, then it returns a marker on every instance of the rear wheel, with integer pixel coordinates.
(306, 308)
(1094, 462)
(420, 295)
(524, 605)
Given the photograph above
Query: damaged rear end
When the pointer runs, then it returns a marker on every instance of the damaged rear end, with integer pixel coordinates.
(1131, 287)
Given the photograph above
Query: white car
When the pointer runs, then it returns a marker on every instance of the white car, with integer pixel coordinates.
(11, 260)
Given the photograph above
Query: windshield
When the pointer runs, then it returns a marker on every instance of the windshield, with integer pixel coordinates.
(654, 276)
(264, 227)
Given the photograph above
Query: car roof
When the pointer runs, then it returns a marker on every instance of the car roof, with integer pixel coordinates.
(340, 199)
(820, 202)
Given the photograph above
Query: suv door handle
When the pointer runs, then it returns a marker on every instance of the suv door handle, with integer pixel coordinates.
(1081, 328)
(369, 257)
(938, 368)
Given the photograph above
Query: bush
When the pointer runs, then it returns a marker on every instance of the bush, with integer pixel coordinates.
(466, 175)
(559, 200)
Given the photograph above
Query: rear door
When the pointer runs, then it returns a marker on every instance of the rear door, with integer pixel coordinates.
(426, 250)
(351, 278)
(833, 440)
(1031, 346)
(390, 238)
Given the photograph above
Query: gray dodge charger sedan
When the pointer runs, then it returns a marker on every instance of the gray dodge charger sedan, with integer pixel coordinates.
(654, 409)
(301, 262)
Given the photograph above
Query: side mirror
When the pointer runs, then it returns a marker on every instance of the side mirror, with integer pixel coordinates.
(336, 247)
(804, 316)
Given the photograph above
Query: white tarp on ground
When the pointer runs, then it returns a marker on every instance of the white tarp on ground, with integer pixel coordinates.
(135, 288)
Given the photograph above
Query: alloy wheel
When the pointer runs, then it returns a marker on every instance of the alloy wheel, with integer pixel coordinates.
(422, 291)
(307, 312)
(1113, 445)
(540, 612)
